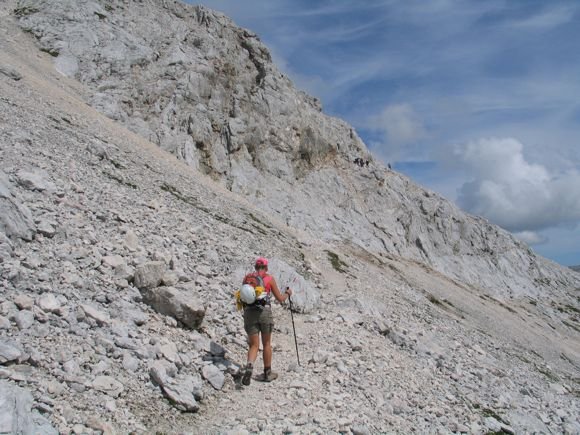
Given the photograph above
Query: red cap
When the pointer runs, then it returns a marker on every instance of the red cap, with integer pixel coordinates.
(261, 261)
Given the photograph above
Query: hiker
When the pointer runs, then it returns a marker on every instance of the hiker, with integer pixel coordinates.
(367, 163)
(258, 320)
(356, 161)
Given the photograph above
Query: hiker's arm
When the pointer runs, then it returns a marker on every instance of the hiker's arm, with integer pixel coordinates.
(281, 298)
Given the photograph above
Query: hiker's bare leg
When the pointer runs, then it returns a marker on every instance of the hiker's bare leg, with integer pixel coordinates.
(267, 344)
(254, 347)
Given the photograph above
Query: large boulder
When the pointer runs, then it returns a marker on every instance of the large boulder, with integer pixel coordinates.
(16, 414)
(305, 297)
(182, 306)
(15, 218)
(36, 179)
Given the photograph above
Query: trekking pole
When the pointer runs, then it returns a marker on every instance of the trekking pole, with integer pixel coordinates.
(294, 329)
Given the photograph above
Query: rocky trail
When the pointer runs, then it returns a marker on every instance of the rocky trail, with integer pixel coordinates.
(118, 263)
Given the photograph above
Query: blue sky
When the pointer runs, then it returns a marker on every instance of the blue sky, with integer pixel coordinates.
(478, 100)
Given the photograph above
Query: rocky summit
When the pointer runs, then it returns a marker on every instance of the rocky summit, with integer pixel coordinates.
(150, 151)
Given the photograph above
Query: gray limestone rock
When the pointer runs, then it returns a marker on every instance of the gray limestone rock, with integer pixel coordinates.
(158, 372)
(10, 72)
(47, 228)
(181, 396)
(24, 319)
(184, 307)
(8, 353)
(23, 302)
(37, 179)
(4, 323)
(184, 392)
(108, 385)
(15, 218)
(305, 296)
(130, 363)
(17, 415)
(113, 261)
(48, 303)
(6, 248)
(131, 241)
(149, 275)
(213, 375)
(100, 317)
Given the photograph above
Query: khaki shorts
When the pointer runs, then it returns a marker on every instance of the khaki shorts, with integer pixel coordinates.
(258, 320)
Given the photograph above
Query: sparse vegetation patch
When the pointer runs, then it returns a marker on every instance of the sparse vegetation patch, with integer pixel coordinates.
(337, 263)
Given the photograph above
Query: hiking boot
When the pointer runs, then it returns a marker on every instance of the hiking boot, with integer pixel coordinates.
(247, 377)
(268, 376)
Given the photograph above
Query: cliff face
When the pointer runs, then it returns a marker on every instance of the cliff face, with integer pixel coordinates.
(192, 82)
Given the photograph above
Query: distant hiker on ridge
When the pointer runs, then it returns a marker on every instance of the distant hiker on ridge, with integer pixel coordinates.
(255, 295)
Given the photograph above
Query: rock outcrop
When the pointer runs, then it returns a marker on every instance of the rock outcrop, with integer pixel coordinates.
(189, 80)
(17, 415)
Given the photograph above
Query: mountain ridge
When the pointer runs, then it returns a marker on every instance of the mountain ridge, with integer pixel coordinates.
(208, 92)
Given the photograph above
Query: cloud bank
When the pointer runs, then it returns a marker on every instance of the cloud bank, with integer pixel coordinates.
(514, 193)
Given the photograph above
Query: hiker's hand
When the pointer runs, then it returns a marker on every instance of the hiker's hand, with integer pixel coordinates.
(288, 291)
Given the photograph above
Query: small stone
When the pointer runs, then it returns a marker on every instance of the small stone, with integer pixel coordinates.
(100, 317)
(8, 353)
(360, 429)
(71, 367)
(131, 241)
(125, 272)
(130, 363)
(5, 323)
(184, 392)
(214, 376)
(24, 319)
(55, 388)
(108, 385)
(149, 275)
(32, 261)
(49, 304)
(153, 204)
(46, 228)
(170, 279)
(113, 261)
(169, 351)
(319, 357)
(492, 424)
(23, 302)
(36, 180)
(100, 425)
(79, 429)
(204, 270)
(100, 367)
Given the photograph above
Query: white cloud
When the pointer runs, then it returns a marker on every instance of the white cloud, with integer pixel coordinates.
(531, 237)
(547, 19)
(512, 192)
(400, 124)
